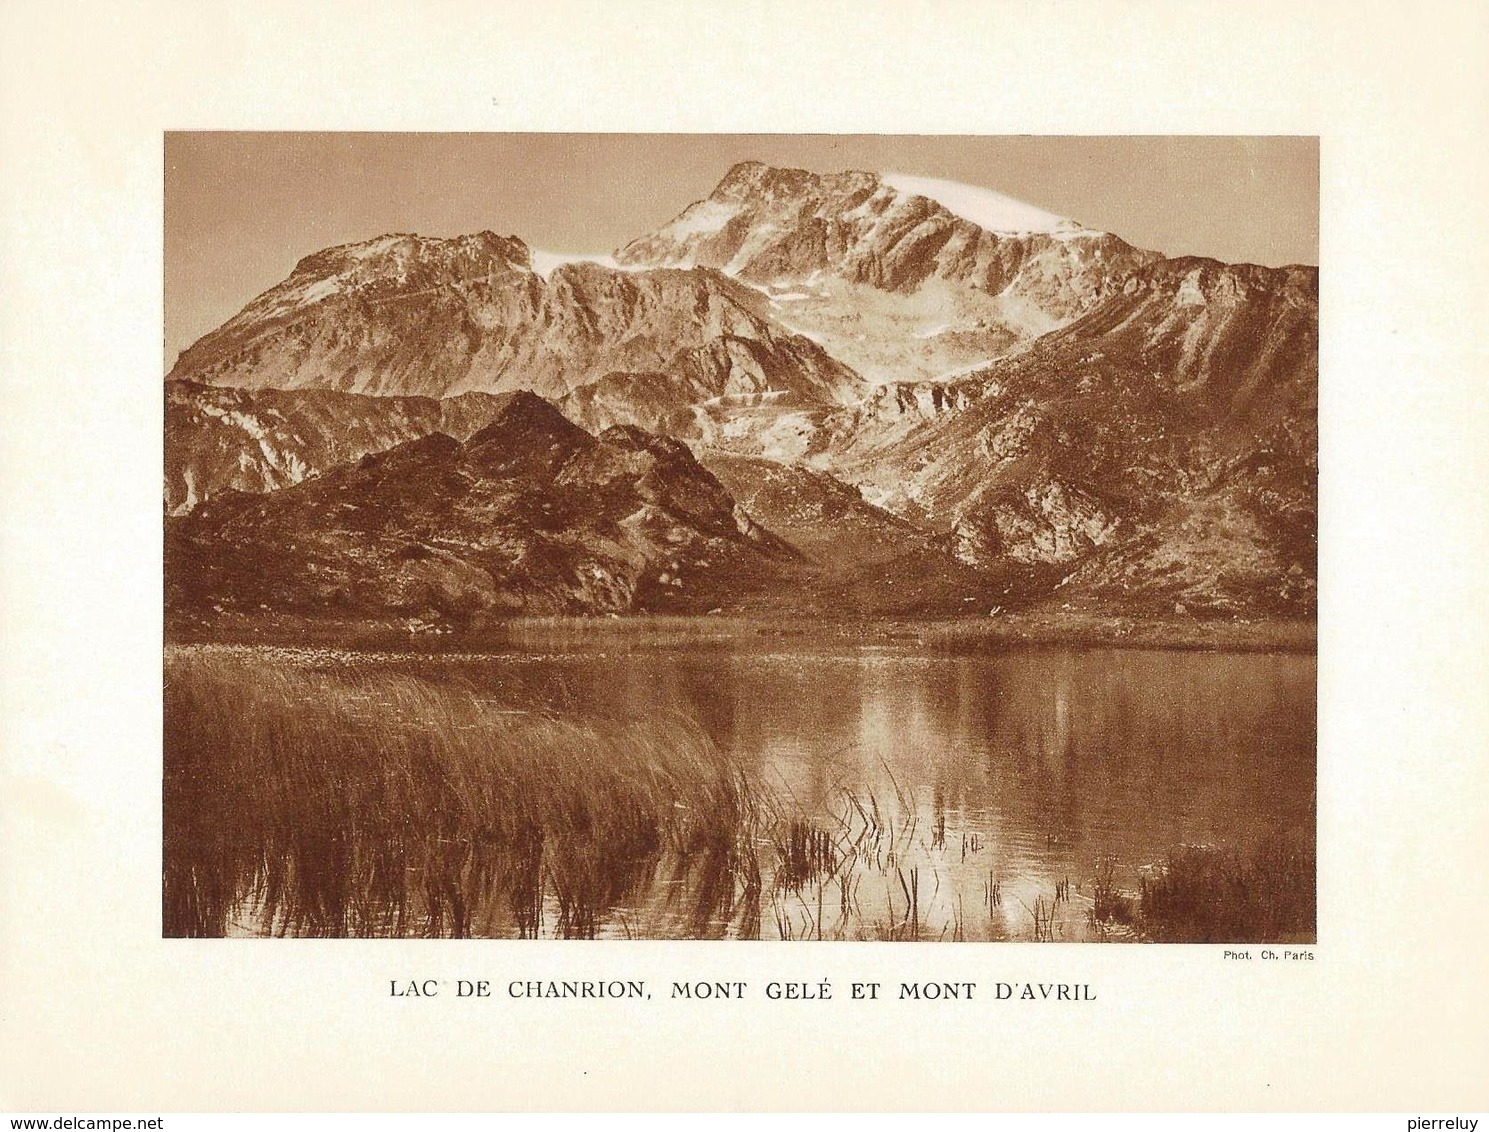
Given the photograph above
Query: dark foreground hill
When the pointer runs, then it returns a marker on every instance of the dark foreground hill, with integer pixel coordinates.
(530, 515)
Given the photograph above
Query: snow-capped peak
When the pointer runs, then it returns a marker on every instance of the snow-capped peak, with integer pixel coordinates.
(990, 211)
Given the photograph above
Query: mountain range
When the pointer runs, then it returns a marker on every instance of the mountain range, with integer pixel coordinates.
(848, 394)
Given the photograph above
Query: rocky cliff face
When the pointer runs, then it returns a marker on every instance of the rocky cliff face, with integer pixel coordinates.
(1161, 449)
(410, 316)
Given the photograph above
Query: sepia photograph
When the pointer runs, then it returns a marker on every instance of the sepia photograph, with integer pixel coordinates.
(670, 560)
(763, 537)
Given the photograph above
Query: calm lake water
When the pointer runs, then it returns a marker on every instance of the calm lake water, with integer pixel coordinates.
(981, 795)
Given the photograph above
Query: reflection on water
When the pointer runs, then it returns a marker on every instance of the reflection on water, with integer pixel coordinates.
(616, 786)
(967, 789)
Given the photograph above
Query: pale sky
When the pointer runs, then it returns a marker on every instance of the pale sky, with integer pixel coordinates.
(242, 208)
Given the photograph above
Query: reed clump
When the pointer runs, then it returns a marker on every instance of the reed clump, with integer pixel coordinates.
(1208, 894)
(1204, 894)
(803, 854)
(1109, 904)
(299, 801)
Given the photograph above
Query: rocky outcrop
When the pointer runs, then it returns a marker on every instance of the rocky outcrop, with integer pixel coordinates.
(1046, 522)
(916, 402)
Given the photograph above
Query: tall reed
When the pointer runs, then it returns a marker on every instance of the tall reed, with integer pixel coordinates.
(303, 802)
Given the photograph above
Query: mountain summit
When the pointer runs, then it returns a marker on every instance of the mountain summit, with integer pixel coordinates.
(958, 274)
(888, 230)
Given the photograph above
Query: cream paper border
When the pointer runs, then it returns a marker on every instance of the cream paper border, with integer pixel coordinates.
(98, 1012)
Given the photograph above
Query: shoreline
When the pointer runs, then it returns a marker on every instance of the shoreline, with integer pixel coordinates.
(1028, 630)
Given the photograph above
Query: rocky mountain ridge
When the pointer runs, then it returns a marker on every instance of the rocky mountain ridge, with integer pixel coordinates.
(413, 316)
(1121, 429)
